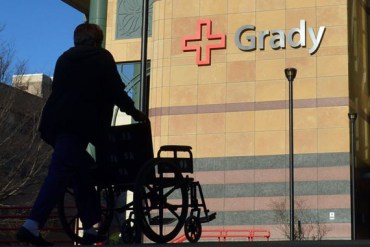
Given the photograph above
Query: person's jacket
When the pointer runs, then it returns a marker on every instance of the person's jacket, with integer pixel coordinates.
(86, 86)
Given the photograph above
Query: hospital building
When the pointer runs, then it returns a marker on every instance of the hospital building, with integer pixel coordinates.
(215, 80)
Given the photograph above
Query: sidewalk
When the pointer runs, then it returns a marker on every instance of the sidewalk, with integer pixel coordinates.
(325, 243)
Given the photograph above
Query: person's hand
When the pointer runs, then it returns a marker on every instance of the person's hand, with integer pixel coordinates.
(139, 116)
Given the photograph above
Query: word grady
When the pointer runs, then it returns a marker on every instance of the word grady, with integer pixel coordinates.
(278, 39)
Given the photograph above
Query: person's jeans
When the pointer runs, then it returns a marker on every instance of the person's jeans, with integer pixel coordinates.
(70, 164)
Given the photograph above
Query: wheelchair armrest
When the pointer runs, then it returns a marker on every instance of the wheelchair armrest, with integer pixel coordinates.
(175, 148)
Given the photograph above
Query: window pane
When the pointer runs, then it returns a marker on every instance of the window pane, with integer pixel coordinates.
(129, 15)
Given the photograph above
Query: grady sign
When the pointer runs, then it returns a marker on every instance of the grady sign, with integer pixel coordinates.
(277, 39)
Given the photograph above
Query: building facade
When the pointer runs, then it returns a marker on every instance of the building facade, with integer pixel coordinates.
(217, 83)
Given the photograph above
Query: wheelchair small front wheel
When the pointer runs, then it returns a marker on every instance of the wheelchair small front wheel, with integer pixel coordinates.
(193, 229)
(160, 200)
(129, 232)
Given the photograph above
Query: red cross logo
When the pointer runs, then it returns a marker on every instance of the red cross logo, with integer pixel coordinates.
(198, 37)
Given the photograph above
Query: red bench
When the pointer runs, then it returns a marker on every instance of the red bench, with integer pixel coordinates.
(224, 234)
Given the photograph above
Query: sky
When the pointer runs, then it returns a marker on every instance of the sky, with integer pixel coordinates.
(39, 30)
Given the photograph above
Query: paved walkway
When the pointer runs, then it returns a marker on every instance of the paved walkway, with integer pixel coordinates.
(325, 243)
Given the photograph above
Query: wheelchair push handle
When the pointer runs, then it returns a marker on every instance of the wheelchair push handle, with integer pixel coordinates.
(184, 162)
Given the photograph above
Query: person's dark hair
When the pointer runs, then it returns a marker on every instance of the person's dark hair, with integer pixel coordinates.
(88, 34)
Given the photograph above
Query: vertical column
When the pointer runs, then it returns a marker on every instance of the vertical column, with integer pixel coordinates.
(98, 14)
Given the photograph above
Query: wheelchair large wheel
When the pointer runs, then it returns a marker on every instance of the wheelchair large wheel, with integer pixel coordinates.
(160, 200)
(69, 217)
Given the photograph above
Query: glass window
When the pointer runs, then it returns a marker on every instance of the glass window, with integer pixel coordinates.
(130, 75)
(129, 15)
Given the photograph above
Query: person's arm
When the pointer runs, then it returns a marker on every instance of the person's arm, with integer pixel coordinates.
(116, 90)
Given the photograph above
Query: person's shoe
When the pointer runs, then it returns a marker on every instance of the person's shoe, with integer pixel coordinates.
(89, 239)
(24, 235)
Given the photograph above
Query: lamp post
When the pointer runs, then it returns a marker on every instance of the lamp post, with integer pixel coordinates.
(144, 50)
(290, 74)
(352, 118)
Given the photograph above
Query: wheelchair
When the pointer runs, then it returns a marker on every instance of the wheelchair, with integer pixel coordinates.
(164, 200)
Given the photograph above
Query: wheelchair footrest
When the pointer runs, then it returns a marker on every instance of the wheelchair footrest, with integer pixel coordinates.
(207, 218)
(166, 221)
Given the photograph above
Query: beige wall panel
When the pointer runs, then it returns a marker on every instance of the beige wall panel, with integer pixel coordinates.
(237, 6)
(180, 75)
(212, 7)
(168, 29)
(210, 145)
(235, 57)
(240, 144)
(262, 5)
(166, 75)
(270, 69)
(183, 95)
(333, 50)
(306, 66)
(240, 121)
(163, 125)
(182, 124)
(303, 88)
(176, 50)
(270, 20)
(212, 74)
(333, 86)
(191, 8)
(235, 21)
(240, 92)
(270, 142)
(294, 16)
(239, 71)
(183, 26)
(134, 51)
(218, 56)
(304, 118)
(292, 4)
(333, 140)
(335, 36)
(211, 123)
(270, 120)
(270, 90)
(338, 65)
(156, 126)
(189, 140)
(329, 16)
(269, 53)
(332, 117)
(331, 2)
(211, 94)
(305, 141)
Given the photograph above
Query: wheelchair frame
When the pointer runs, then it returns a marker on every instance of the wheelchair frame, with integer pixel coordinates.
(162, 195)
